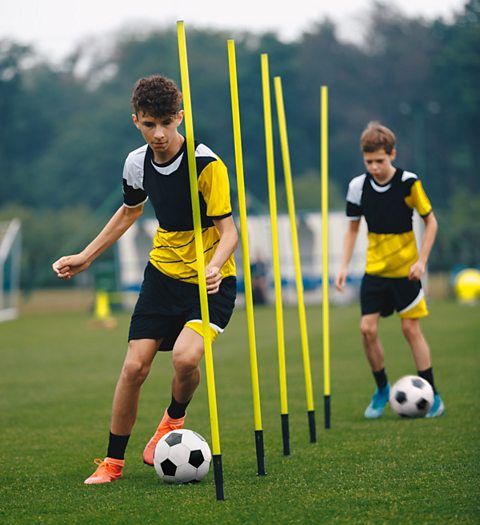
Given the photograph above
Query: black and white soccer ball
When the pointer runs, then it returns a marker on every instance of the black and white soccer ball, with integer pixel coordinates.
(411, 396)
(182, 456)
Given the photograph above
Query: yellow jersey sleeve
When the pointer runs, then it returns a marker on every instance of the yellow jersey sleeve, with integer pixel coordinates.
(214, 185)
(418, 199)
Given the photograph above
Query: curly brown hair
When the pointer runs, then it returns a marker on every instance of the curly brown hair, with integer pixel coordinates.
(156, 95)
(376, 137)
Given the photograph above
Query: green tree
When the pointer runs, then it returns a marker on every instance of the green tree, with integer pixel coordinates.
(458, 241)
(457, 75)
(66, 130)
(49, 234)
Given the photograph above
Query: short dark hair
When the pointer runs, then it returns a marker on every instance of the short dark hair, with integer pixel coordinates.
(156, 95)
(375, 137)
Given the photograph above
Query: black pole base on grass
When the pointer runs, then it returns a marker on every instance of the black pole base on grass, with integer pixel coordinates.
(260, 452)
(326, 404)
(218, 473)
(285, 435)
(311, 426)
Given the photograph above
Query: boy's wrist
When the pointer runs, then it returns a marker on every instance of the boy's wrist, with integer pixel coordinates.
(87, 257)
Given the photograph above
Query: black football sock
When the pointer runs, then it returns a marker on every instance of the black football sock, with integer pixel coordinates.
(117, 446)
(428, 376)
(380, 379)
(177, 410)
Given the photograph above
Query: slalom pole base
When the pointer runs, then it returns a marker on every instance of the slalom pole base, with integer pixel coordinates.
(311, 426)
(285, 434)
(218, 473)
(326, 405)
(260, 452)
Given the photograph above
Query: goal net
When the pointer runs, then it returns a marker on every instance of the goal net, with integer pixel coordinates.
(10, 253)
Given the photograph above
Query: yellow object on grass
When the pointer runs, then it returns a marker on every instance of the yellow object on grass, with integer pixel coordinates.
(467, 285)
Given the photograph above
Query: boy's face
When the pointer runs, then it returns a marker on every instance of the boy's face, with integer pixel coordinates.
(379, 164)
(160, 133)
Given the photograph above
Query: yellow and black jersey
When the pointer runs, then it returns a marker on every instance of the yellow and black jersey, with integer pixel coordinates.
(388, 211)
(167, 187)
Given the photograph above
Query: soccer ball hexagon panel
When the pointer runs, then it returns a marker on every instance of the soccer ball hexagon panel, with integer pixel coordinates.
(182, 456)
(411, 396)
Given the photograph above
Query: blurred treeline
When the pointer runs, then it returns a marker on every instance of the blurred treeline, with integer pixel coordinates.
(66, 129)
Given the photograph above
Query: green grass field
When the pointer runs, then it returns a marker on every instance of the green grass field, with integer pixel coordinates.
(57, 377)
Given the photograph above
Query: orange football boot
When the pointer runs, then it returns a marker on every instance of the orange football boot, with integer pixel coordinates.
(166, 425)
(109, 469)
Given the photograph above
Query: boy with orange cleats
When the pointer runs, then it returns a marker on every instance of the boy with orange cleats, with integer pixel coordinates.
(108, 470)
(167, 316)
(166, 425)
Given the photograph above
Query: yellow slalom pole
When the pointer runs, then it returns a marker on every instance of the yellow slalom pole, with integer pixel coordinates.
(202, 284)
(275, 253)
(242, 205)
(326, 302)
(282, 124)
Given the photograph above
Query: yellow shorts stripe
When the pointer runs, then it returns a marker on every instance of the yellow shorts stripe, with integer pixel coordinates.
(197, 326)
(416, 310)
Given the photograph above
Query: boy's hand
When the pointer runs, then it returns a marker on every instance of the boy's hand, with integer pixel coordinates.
(69, 265)
(214, 278)
(416, 271)
(341, 279)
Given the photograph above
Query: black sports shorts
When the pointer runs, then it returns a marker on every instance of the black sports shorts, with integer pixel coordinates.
(165, 305)
(384, 295)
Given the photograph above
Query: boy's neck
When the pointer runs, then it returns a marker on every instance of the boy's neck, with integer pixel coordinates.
(162, 157)
(387, 178)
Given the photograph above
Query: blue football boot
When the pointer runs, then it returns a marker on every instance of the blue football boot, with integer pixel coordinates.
(377, 405)
(438, 408)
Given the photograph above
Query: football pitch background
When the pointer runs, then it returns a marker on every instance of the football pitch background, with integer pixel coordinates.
(57, 376)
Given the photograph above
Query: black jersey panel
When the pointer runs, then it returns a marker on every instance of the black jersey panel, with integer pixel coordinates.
(353, 210)
(387, 211)
(131, 196)
(171, 197)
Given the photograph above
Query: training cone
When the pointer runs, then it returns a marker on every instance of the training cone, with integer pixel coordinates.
(103, 317)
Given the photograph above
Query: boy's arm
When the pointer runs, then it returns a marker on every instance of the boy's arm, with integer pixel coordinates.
(417, 269)
(69, 265)
(348, 245)
(226, 246)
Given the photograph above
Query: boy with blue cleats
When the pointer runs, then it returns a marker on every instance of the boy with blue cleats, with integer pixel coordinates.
(377, 405)
(386, 197)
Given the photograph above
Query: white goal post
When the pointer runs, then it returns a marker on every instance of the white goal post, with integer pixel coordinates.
(10, 255)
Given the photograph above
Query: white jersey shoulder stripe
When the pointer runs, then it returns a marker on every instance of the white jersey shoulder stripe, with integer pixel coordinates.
(355, 188)
(134, 164)
(133, 168)
(408, 175)
(204, 151)
(200, 151)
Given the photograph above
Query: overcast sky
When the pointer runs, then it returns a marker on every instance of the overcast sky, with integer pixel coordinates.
(55, 27)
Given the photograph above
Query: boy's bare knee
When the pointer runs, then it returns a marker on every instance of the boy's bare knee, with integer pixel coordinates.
(410, 328)
(368, 329)
(186, 360)
(135, 371)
